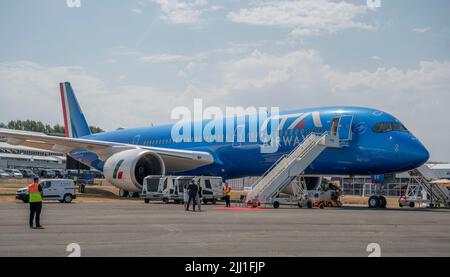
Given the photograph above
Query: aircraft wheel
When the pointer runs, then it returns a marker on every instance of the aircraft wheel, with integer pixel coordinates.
(166, 200)
(276, 204)
(412, 204)
(123, 193)
(374, 202)
(383, 202)
(147, 201)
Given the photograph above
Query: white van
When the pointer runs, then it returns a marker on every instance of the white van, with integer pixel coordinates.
(168, 188)
(55, 189)
(212, 188)
(165, 188)
(153, 187)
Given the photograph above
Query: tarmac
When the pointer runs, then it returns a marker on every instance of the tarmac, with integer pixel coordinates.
(137, 229)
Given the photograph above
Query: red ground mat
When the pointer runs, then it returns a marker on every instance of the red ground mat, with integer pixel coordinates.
(238, 208)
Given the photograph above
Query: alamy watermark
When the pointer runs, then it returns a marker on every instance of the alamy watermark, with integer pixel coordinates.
(374, 4)
(237, 125)
(374, 250)
(73, 3)
(74, 250)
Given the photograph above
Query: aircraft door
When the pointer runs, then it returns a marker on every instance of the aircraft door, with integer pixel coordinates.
(239, 135)
(136, 139)
(334, 126)
(345, 128)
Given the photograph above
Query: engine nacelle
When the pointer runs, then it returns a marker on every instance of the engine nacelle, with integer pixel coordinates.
(127, 169)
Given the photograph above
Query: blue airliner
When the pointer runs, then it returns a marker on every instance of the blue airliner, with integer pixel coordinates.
(374, 143)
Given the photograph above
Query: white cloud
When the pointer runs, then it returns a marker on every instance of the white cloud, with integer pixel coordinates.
(35, 89)
(135, 10)
(166, 58)
(376, 58)
(155, 58)
(304, 18)
(216, 8)
(182, 12)
(422, 30)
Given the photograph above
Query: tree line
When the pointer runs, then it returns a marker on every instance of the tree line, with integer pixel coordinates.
(38, 126)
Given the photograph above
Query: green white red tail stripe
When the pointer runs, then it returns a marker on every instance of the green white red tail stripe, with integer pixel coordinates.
(66, 112)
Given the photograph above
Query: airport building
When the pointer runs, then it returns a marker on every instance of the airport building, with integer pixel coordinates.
(26, 157)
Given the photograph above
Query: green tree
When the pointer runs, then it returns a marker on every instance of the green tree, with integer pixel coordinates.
(96, 130)
(38, 126)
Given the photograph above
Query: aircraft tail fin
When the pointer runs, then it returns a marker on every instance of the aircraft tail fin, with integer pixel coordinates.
(74, 120)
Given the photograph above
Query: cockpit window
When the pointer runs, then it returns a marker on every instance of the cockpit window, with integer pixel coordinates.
(384, 127)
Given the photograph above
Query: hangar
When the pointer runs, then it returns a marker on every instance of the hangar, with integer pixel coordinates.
(12, 156)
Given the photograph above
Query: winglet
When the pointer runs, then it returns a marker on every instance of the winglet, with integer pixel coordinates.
(74, 120)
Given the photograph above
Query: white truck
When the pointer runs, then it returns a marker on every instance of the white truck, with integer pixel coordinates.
(53, 189)
(171, 188)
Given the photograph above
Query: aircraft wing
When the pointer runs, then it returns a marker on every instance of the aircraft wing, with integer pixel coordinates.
(174, 159)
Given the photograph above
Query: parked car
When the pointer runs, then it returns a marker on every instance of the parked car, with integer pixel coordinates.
(60, 173)
(47, 173)
(4, 174)
(28, 173)
(14, 173)
(53, 189)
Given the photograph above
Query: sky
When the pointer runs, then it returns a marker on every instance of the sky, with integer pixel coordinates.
(131, 62)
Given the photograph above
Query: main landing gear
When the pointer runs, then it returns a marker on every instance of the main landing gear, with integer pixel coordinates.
(377, 201)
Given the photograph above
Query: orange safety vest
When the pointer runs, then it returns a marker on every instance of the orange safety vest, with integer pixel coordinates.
(34, 193)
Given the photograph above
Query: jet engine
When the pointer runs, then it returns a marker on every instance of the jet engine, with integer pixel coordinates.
(127, 169)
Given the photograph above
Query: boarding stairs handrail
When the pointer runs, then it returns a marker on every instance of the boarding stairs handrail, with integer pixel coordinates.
(281, 159)
(433, 190)
(298, 154)
(284, 160)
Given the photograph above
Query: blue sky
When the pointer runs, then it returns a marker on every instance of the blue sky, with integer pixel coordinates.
(131, 62)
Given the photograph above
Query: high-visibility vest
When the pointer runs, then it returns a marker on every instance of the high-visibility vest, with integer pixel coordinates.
(227, 190)
(34, 193)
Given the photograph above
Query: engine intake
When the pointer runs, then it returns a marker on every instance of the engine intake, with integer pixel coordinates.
(127, 169)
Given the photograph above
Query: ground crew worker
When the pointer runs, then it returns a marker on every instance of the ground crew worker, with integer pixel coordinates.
(35, 196)
(199, 196)
(75, 182)
(193, 190)
(185, 195)
(227, 194)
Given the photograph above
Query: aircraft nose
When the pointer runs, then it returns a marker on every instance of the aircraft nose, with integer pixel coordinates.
(417, 154)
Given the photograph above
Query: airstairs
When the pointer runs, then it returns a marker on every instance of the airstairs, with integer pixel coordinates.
(424, 176)
(290, 166)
